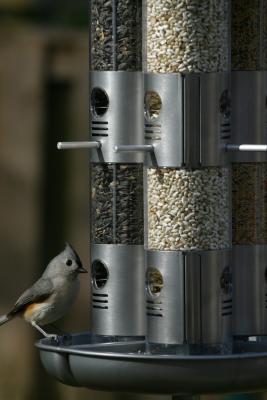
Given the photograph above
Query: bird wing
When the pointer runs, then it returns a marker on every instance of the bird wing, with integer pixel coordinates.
(37, 293)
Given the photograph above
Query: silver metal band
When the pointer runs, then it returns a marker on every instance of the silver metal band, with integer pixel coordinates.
(195, 303)
(118, 298)
(249, 113)
(117, 115)
(250, 294)
(193, 124)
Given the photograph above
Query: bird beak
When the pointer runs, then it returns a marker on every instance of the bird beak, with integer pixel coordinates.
(82, 270)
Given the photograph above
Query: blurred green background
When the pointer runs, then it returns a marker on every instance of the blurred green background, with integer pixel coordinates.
(44, 193)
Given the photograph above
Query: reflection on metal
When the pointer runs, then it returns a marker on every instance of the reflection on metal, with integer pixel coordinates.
(246, 147)
(78, 145)
(132, 148)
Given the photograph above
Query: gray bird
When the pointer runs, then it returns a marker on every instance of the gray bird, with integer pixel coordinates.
(49, 298)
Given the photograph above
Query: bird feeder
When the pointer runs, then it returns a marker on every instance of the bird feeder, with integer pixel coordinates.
(166, 107)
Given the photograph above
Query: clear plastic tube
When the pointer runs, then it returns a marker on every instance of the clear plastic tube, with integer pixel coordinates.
(117, 204)
(249, 35)
(186, 36)
(116, 35)
(188, 209)
(249, 198)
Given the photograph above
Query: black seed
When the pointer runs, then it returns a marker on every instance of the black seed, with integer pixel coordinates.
(117, 204)
(116, 35)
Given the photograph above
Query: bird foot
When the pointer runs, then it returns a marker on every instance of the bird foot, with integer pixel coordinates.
(44, 333)
(52, 336)
(54, 339)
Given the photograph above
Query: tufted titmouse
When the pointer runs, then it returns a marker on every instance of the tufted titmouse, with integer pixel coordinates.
(49, 298)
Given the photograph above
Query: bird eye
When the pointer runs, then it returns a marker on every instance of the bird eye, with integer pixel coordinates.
(69, 262)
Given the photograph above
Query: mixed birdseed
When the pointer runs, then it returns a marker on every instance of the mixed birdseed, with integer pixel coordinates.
(117, 204)
(188, 209)
(249, 199)
(187, 35)
(249, 34)
(116, 35)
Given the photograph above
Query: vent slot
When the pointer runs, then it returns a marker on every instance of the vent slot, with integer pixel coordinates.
(154, 302)
(154, 315)
(100, 301)
(152, 131)
(152, 125)
(100, 295)
(100, 307)
(100, 134)
(152, 137)
(227, 313)
(100, 128)
(226, 130)
(227, 307)
(266, 300)
(153, 308)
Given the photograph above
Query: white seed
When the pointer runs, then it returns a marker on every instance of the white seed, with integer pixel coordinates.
(186, 36)
(195, 211)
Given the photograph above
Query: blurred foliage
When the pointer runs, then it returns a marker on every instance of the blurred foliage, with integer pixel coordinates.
(45, 12)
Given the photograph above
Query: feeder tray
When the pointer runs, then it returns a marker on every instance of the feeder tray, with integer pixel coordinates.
(125, 366)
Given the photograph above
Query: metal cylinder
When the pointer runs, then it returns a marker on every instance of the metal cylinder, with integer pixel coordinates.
(187, 119)
(250, 294)
(189, 301)
(118, 296)
(116, 114)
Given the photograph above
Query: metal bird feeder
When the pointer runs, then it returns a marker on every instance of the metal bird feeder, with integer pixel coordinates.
(179, 296)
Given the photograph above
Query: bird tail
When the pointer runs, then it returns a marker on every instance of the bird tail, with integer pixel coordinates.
(4, 319)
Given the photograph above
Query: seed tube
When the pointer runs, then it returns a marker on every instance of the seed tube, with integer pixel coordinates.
(188, 209)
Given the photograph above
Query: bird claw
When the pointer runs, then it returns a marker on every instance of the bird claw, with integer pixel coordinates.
(65, 340)
(53, 337)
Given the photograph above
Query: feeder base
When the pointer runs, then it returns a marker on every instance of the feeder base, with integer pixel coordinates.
(126, 367)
